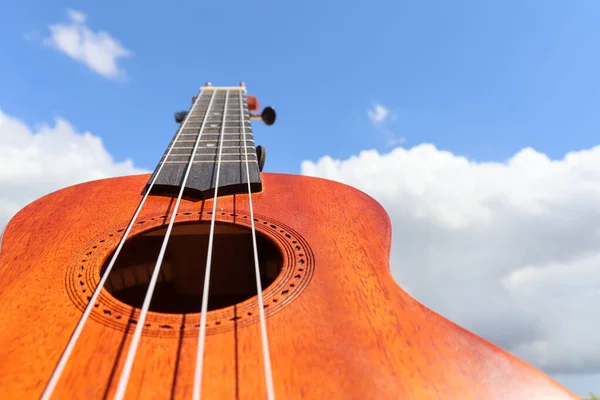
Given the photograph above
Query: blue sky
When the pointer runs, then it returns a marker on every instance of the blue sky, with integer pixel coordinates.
(476, 79)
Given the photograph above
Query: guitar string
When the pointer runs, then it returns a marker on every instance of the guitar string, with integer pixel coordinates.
(261, 308)
(58, 370)
(197, 390)
(127, 368)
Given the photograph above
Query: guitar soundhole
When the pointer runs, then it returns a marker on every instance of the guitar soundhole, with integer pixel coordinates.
(181, 277)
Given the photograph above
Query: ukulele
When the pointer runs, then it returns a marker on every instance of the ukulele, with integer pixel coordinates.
(212, 279)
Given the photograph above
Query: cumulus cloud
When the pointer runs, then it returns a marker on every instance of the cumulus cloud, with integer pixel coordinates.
(509, 250)
(98, 50)
(37, 162)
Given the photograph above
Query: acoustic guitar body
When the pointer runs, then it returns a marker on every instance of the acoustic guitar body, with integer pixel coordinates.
(339, 327)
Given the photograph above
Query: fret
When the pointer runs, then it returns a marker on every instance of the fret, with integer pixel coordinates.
(194, 136)
(219, 100)
(224, 149)
(228, 88)
(217, 106)
(203, 156)
(205, 134)
(213, 147)
(230, 153)
(214, 157)
(208, 142)
(214, 136)
(212, 151)
(229, 132)
(228, 129)
(216, 119)
(218, 125)
(215, 153)
(227, 124)
(219, 103)
(226, 154)
(238, 144)
(203, 110)
(213, 162)
(232, 114)
(208, 161)
(215, 131)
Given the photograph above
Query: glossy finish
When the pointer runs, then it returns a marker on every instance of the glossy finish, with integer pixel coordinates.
(351, 333)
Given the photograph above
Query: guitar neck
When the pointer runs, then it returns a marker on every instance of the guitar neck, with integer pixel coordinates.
(216, 130)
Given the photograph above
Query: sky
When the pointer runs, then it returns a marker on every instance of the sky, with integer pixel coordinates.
(474, 124)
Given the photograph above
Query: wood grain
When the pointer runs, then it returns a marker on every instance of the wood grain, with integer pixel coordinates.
(352, 333)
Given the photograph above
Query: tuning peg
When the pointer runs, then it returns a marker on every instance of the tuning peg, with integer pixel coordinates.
(253, 103)
(180, 116)
(261, 155)
(267, 116)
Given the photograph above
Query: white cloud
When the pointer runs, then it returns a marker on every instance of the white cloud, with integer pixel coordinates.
(509, 250)
(378, 114)
(37, 162)
(98, 50)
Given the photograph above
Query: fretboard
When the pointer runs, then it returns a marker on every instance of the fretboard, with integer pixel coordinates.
(215, 136)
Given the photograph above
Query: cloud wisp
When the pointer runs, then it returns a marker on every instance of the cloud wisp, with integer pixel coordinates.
(378, 114)
(99, 51)
(380, 117)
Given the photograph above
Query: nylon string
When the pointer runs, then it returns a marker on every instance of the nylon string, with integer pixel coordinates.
(62, 362)
(197, 391)
(261, 308)
(125, 374)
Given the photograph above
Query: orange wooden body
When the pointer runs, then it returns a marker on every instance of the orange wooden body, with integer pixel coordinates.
(349, 333)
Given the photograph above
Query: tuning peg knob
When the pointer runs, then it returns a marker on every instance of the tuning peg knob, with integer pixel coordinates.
(180, 116)
(268, 115)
